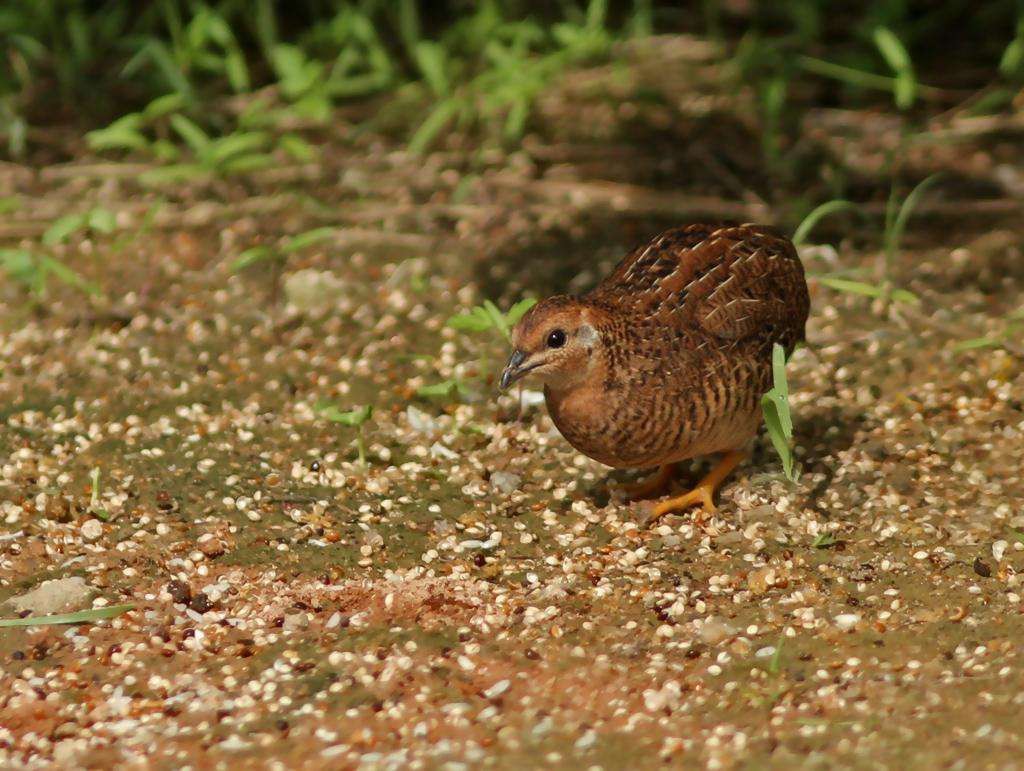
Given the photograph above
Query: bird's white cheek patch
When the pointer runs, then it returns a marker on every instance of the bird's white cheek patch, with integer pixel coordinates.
(588, 335)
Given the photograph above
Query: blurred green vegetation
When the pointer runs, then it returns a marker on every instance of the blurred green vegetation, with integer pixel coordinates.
(180, 74)
(213, 87)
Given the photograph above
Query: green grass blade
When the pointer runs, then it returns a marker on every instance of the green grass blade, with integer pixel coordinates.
(157, 52)
(133, 121)
(308, 238)
(62, 228)
(297, 147)
(777, 433)
(777, 418)
(823, 541)
(896, 56)
(239, 143)
(173, 174)
(116, 138)
(80, 617)
(895, 229)
(892, 49)
(904, 296)
(779, 375)
(355, 417)
(434, 123)
(102, 220)
(597, 12)
(978, 342)
(298, 75)
(16, 128)
(519, 310)
(266, 25)
(194, 137)
(848, 75)
(315, 106)
(243, 164)
(477, 320)
(251, 256)
(816, 215)
(237, 71)
(497, 319)
(906, 90)
(1012, 59)
(432, 61)
(163, 105)
(409, 22)
(165, 151)
(21, 265)
(444, 389)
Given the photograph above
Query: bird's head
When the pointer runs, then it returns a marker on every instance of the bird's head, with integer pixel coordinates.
(554, 342)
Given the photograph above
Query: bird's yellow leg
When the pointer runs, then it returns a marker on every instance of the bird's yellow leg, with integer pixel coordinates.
(703, 493)
(653, 484)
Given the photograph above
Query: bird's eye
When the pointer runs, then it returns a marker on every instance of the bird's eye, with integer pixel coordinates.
(556, 339)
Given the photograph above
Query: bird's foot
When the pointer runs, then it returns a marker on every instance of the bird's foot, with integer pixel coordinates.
(652, 485)
(698, 496)
(702, 494)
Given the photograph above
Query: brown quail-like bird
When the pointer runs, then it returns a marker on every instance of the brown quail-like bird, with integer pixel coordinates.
(668, 357)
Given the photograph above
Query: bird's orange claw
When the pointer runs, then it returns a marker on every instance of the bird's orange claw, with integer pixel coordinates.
(703, 493)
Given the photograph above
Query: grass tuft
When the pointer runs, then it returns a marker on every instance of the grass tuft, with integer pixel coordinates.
(777, 418)
(487, 316)
(355, 418)
(898, 214)
(824, 541)
(904, 88)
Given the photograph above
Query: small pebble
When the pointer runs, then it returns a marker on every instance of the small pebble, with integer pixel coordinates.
(92, 529)
(505, 482)
(999, 549)
(847, 621)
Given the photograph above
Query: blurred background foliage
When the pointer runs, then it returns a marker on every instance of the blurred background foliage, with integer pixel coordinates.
(217, 86)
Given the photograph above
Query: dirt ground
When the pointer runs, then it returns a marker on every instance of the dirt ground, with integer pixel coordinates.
(479, 594)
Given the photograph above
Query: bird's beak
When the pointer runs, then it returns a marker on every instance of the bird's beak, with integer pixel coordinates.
(513, 370)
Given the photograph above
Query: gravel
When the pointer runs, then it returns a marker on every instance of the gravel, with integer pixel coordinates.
(474, 593)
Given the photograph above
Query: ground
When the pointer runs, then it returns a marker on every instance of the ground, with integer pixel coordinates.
(477, 593)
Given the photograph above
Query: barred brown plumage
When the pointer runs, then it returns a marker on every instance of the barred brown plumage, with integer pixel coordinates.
(667, 358)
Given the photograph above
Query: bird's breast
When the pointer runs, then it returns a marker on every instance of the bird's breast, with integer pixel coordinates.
(663, 416)
(590, 419)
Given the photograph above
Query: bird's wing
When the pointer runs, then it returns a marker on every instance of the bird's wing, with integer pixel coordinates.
(732, 282)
